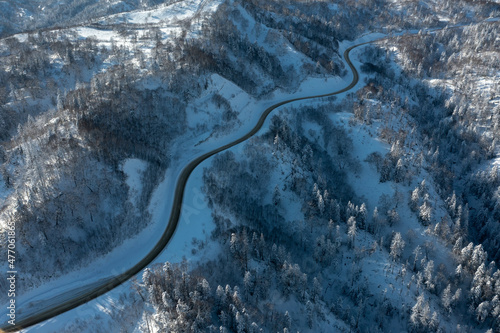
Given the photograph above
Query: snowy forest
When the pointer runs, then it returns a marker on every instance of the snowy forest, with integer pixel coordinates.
(374, 210)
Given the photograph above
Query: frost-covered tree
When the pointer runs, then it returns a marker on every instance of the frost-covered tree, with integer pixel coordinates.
(425, 211)
(397, 246)
(447, 298)
(415, 199)
(429, 277)
(321, 203)
(310, 314)
(420, 315)
(352, 230)
(362, 216)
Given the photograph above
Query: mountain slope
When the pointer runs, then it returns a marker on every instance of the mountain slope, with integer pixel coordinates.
(149, 83)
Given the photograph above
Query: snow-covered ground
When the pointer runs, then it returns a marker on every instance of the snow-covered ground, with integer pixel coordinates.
(134, 169)
(164, 14)
(195, 220)
(195, 223)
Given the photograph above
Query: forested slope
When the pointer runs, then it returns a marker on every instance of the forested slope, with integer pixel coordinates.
(374, 212)
(81, 101)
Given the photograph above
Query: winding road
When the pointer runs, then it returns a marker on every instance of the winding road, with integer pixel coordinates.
(88, 293)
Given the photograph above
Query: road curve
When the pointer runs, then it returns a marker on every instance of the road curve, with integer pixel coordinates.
(111, 283)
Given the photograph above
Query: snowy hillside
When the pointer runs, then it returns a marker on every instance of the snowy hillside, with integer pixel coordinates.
(21, 16)
(374, 210)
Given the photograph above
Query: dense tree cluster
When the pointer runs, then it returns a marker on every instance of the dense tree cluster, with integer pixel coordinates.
(452, 128)
(264, 263)
(73, 110)
(22, 16)
(70, 201)
(101, 117)
(464, 117)
(29, 71)
(281, 256)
